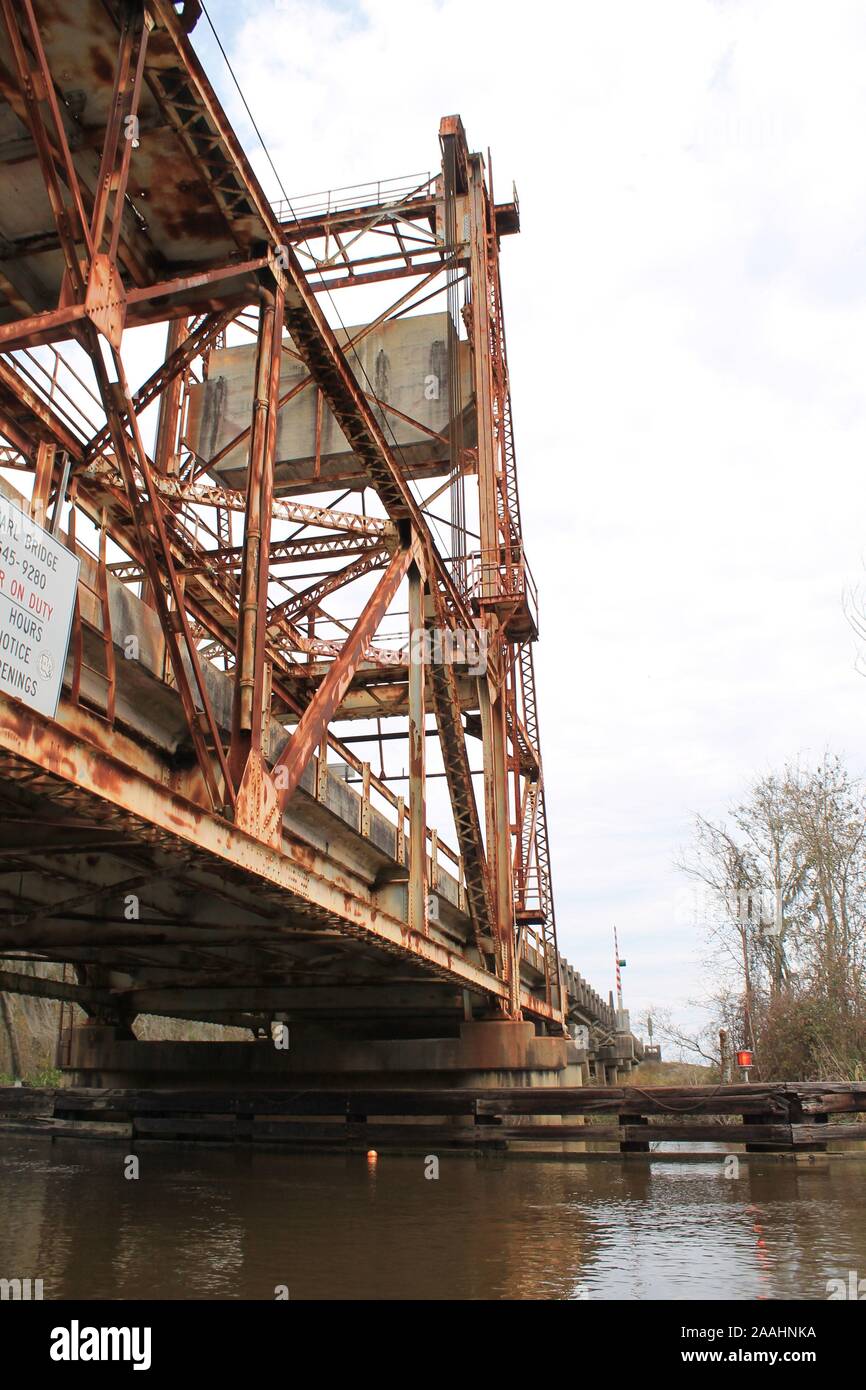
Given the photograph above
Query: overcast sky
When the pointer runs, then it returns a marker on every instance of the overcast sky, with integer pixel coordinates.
(687, 341)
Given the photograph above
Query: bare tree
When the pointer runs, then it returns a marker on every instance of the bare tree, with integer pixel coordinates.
(828, 815)
(785, 911)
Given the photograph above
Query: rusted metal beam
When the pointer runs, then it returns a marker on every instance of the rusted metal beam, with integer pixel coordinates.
(37, 89)
(447, 707)
(151, 533)
(284, 508)
(32, 414)
(301, 603)
(123, 114)
(153, 811)
(160, 521)
(248, 698)
(166, 449)
(417, 755)
(419, 209)
(182, 349)
(315, 340)
(54, 324)
(182, 284)
(289, 767)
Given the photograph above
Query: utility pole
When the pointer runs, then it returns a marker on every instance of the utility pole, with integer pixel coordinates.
(621, 1019)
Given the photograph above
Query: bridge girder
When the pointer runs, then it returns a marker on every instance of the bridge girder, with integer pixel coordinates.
(87, 267)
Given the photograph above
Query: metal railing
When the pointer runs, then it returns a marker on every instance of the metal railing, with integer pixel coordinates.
(503, 573)
(58, 384)
(356, 195)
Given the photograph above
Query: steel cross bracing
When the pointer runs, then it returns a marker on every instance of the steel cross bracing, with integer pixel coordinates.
(261, 600)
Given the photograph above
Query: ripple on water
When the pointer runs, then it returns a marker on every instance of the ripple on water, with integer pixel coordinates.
(218, 1224)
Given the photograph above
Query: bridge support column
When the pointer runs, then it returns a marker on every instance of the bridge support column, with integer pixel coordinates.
(417, 756)
(249, 686)
(499, 1053)
(498, 822)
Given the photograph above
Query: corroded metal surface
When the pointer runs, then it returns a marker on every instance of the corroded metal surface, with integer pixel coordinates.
(205, 747)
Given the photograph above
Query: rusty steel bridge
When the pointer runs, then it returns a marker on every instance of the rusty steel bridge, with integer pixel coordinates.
(300, 561)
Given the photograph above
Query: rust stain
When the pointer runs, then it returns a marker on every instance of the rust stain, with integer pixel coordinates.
(120, 774)
(203, 221)
(108, 779)
(103, 69)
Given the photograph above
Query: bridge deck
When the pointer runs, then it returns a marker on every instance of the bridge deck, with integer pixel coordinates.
(175, 839)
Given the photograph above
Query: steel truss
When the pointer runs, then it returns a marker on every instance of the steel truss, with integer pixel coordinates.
(225, 570)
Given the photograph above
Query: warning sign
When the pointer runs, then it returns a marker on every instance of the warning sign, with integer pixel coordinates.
(38, 581)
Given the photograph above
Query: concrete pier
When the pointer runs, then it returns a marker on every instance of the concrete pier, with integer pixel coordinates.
(483, 1056)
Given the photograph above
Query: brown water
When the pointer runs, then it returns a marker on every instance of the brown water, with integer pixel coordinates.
(223, 1224)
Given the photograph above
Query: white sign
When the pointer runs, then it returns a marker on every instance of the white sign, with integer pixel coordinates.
(38, 582)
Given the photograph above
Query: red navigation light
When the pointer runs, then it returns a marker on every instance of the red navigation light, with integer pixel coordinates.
(745, 1059)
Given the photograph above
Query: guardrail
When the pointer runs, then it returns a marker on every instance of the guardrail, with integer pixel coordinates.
(502, 574)
(355, 195)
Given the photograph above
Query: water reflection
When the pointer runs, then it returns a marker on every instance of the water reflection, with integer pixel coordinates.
(230, 1224)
